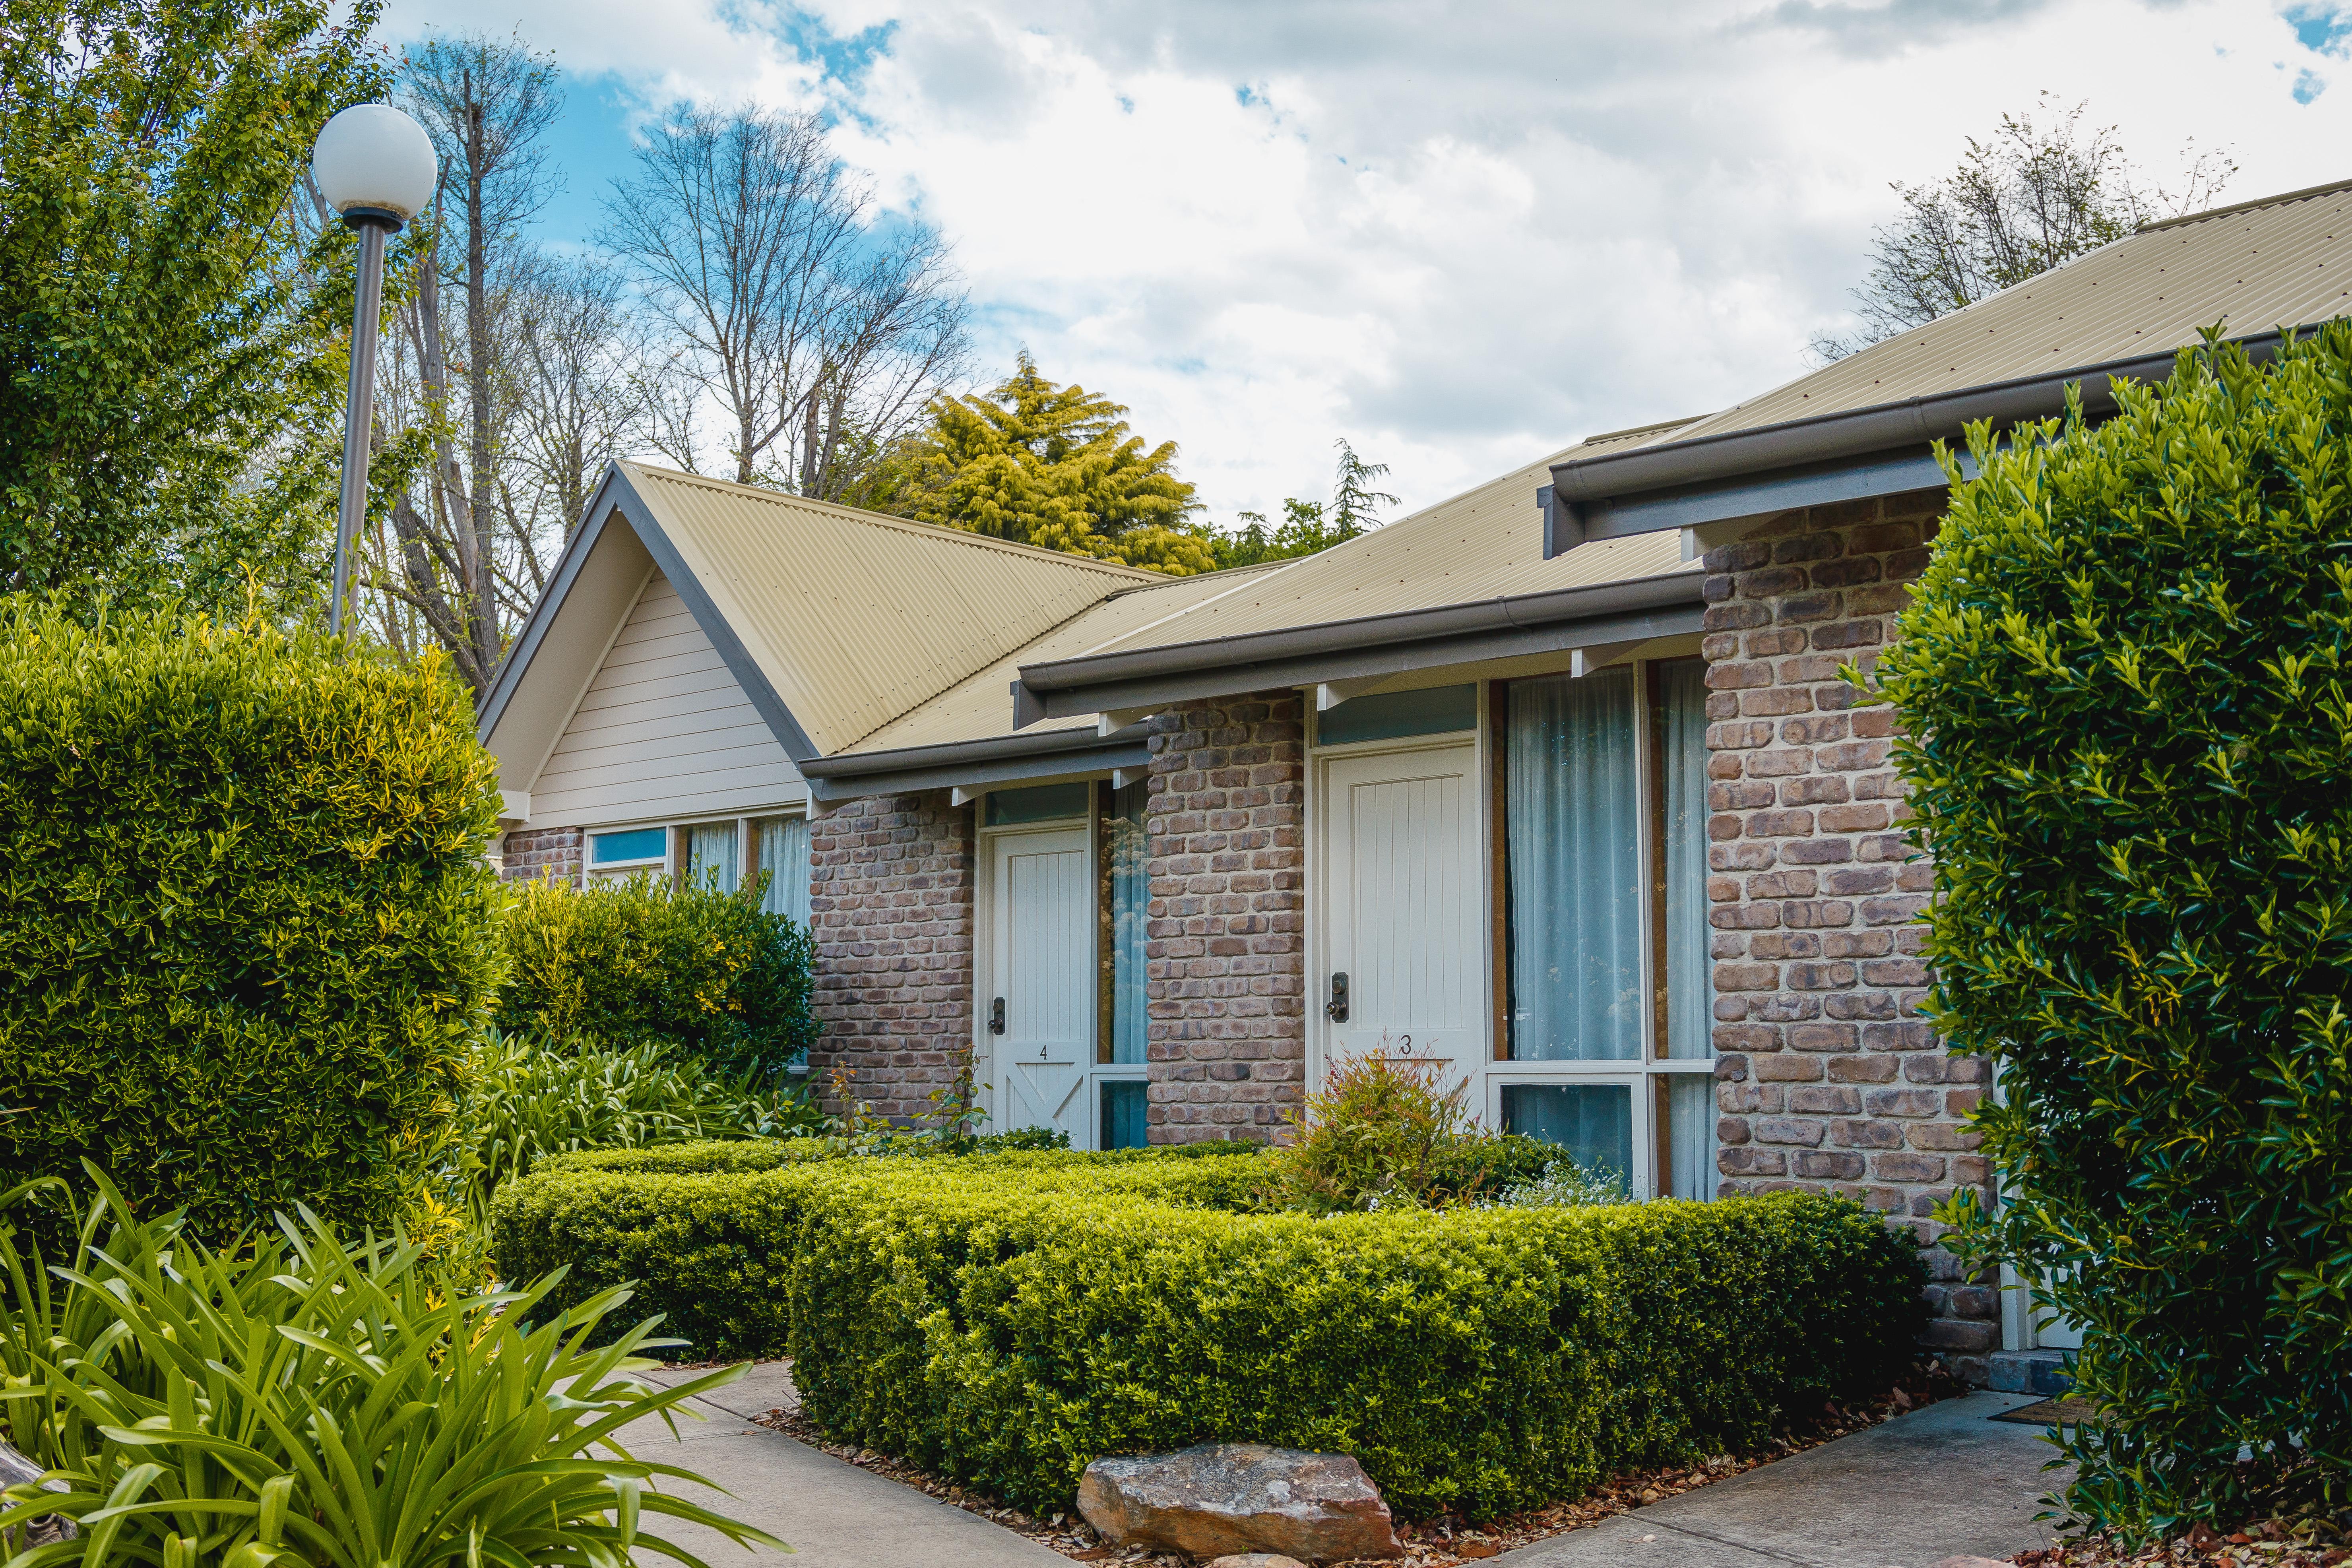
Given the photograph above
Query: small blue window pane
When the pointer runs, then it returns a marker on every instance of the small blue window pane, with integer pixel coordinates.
(1042, 803)
(1123, 1103)
(618, 848)
(1593, 1122)
(1438, 711)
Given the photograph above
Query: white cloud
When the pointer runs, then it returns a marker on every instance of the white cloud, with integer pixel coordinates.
(1458, 236)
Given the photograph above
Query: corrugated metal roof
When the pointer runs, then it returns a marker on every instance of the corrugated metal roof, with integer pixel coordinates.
(981, 705)
(1484, 543)
(856, 618)
(2281, 261)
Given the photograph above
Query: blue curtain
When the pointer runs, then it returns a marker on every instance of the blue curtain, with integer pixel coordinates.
(1126, 887)
(1690, 1135)
(781, 849)
(1125, 1105)
(1572, 827)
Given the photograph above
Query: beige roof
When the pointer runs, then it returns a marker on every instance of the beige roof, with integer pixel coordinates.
(2281, 261)
(1484, 543)
(856, 618)
(981, 705)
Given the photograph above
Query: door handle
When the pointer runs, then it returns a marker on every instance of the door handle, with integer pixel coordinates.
(996, 1016)
(1336, 1009)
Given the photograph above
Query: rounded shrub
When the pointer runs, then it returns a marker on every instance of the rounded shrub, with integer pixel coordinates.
(245, 911)
(2124, 684)
(634, 960)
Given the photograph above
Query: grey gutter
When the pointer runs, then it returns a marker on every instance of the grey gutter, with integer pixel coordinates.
(1093, 683)
(1856, 432)
(995, 748)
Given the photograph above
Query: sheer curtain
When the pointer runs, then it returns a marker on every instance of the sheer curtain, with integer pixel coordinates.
(1572, 829)
(1690, 1135)
(781, 849)
(1682, 691)
(1125, 888)
(710, 855)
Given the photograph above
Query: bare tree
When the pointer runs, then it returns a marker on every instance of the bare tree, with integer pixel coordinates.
(2032, 196)
(487, 104)
(817, 335)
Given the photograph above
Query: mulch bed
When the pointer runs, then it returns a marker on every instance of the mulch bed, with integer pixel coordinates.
(2270, 1543)
(1436, 1542)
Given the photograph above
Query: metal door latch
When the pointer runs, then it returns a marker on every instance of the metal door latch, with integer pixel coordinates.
(996, 1016)
(1336, 1009)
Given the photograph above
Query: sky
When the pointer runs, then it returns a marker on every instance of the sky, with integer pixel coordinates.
(1459, 235)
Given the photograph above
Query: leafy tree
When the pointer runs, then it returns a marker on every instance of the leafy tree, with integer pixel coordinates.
(2126, 682)
(1039, 463)
(170, 359)
(2030, 197)
(1308, 526)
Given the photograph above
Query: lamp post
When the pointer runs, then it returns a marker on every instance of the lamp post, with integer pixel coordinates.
(375, 166)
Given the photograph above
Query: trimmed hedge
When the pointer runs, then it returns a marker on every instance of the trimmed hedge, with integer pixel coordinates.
(628, 961)
(244, 910)
(1006, 1319)
(2127, 680)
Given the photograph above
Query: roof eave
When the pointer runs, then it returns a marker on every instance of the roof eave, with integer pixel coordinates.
(1390, 644)
(1849, 455)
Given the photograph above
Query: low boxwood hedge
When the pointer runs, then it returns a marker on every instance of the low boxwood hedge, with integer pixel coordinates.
(1006, 1319)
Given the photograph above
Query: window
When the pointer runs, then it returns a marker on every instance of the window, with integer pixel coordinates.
(706, 856)
(1040, 803)
(1122, 849)
(634, 848)
(1392, 715)
(780, 854)
(1603, 939)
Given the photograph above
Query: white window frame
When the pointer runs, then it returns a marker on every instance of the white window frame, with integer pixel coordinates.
(671, 861)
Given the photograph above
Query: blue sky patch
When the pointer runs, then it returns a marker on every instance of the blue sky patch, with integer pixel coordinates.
(2308, 85)
(2322, 28)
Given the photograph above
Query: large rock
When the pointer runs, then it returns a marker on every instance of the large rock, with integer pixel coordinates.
(1223, 1498)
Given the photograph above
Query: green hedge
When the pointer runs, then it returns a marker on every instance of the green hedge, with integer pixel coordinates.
(1007, 1318)
(2127, 680)
(631, 959)
(245, 913)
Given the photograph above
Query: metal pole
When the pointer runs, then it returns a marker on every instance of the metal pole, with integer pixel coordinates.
(367, 312)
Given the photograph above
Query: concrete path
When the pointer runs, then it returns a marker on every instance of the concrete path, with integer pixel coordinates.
(833, 1515)
(1941, 1482)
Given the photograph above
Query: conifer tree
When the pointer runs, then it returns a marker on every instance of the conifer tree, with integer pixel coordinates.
(1057, 467)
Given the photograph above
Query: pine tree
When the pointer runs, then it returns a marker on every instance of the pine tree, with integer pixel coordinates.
(1053, 466)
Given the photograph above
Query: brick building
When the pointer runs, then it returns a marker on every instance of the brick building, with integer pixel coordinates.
(1558, 787)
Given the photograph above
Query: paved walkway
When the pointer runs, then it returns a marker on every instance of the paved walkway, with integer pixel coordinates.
(1936, 1483)
(833, 1515)
(1945, 1481)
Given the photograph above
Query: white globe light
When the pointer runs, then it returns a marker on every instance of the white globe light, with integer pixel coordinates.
(373, 155)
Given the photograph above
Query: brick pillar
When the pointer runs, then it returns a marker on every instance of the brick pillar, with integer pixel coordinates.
(1828, 1078)
(890, 914)
(528, 854)
(1225, 945)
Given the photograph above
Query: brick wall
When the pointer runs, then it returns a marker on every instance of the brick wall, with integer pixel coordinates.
(890, 912)
(1225, 946)
(529, 853)
(1828, 1078)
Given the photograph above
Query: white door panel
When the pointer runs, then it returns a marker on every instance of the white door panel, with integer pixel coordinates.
(1405, 904)
(1042, 933)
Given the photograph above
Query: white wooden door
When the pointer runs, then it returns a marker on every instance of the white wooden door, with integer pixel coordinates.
(1043, 947)
(1403, 884)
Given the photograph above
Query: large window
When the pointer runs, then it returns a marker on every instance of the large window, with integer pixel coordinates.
(718, 854)
(1603, 938)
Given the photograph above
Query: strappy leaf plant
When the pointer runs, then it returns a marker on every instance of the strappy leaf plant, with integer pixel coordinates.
(299, 1400)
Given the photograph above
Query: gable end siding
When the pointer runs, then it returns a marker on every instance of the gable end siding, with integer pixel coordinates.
(663, 730)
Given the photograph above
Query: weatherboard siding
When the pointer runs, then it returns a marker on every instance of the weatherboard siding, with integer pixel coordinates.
(663, 732)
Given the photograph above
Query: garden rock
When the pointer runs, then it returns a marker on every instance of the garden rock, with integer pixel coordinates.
(1239, 1499)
